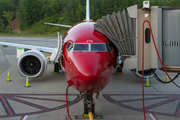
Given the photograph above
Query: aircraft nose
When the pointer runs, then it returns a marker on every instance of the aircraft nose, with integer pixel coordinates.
(89, 67)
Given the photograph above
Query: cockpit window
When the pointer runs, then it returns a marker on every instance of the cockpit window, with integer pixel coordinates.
(98, 47)
(109, 47)
(69, 46)
(93, 47)
(81, 47)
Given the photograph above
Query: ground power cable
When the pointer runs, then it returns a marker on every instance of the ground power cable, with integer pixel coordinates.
(168, 81)
(144, 111)
(67, 102)
(158, 53)
(143, 63)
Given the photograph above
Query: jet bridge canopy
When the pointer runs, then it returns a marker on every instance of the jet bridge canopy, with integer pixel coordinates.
(120, 29)
(124, 30)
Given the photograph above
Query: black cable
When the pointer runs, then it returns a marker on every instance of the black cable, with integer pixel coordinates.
(163, 81)
(168, 81)
(67, 88)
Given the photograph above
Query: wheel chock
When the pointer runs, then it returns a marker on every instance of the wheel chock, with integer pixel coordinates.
(119, 73)
(56, 70)
(86, 116)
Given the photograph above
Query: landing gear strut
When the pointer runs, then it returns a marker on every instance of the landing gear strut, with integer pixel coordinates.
(89, 104)
(89, 108)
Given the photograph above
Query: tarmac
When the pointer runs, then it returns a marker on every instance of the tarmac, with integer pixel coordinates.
(45, 98)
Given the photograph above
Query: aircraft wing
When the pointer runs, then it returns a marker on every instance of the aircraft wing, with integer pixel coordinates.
(32, 47)
(55, 52)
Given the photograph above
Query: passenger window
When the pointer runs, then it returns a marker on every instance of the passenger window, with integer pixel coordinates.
(81, 47)
(109, 47)
(69, 46)
(98, 47)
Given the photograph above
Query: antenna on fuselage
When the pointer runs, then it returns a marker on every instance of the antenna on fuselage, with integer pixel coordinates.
(87, 11)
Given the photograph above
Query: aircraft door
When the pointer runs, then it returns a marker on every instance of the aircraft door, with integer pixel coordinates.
(57, 51)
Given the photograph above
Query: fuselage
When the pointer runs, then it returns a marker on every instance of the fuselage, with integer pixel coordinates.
(88, 58)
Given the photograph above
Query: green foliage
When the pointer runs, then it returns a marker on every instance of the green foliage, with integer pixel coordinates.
(80, 14)
(40, 27)
(33, 13)
(174, 3)
(30, 11)
(4, 6)
(51, 7)
(9, 15)
(8, 30)
(2, 25)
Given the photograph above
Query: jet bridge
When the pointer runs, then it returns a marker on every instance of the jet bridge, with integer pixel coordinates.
(124, 30)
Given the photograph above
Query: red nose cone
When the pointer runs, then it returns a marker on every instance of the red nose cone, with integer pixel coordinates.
(91, 71)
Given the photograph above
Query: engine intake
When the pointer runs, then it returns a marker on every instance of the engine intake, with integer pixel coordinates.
(32, 64)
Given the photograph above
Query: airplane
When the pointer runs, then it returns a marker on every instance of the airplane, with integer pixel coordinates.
(87, 58)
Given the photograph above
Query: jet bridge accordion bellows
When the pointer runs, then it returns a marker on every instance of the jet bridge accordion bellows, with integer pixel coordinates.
(120, 29)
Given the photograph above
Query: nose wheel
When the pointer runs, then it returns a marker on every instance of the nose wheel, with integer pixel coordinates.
(89, 108)
(88, 104)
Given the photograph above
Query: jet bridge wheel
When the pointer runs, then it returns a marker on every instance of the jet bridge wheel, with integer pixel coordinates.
(148, 73)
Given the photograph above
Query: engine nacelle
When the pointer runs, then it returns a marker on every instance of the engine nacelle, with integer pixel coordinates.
(32, 64)
(148, 73)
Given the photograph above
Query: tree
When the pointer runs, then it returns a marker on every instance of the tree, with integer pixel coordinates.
(30, 11)
(4, 6)
(51, 7)
(175, 3)
(80, 13)
(2, 25)
(9, 15)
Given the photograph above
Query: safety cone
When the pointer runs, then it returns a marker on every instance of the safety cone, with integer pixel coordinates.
(27, 82)
(8, 77)
(167, 80)
(147, 82)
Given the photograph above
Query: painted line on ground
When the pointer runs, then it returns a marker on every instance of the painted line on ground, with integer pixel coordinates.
(153, 116)
(24, 117)
(15, 97)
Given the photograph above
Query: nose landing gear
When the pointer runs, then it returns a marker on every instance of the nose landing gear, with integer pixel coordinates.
(89, 108)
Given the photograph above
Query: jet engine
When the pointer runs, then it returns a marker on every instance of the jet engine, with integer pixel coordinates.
(148, 73)
(32, 64)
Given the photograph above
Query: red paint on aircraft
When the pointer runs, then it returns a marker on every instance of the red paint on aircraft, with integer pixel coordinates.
(89, 71)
